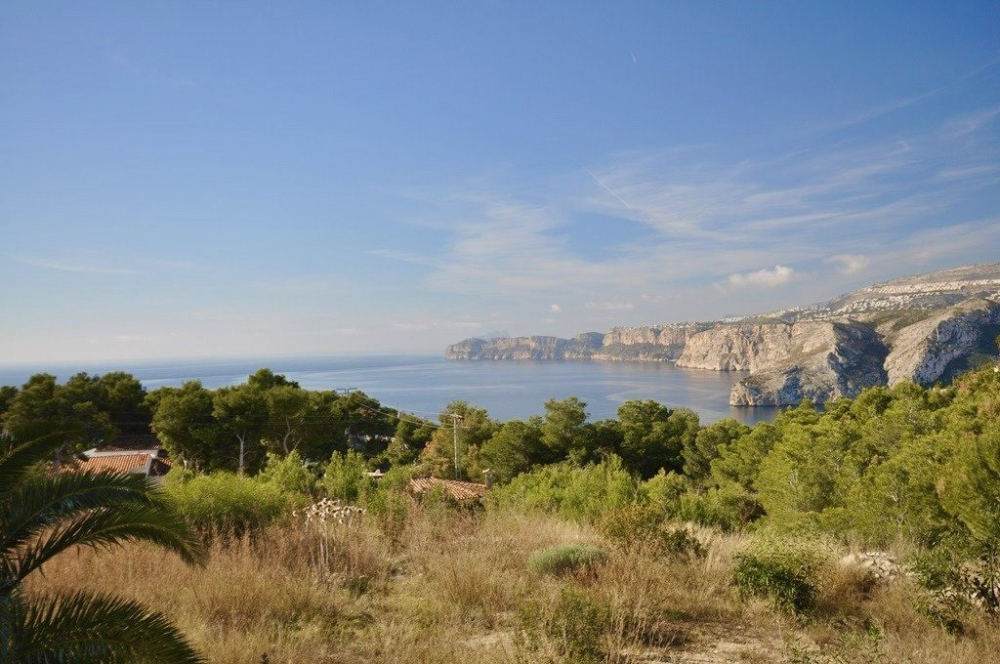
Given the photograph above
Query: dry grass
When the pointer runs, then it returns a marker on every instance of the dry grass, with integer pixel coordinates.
(455, 587)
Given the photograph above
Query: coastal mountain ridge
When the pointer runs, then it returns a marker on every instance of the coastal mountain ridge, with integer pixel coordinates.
(922, 328)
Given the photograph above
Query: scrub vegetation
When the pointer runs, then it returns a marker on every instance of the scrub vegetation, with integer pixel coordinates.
(866, 531)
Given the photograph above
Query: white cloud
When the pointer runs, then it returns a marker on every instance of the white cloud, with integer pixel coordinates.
(555, 308)
(346, 331)
(71, 265)
(701, 221)
(765, 278)
(609, 306)
(413, 327)
(461, 324)
(850, 263)
(971, 123)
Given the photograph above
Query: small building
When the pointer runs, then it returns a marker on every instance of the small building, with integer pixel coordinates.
(142, 455)
(140, 463)
(454, 489)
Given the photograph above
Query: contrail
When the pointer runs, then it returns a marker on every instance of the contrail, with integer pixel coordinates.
(604, 186)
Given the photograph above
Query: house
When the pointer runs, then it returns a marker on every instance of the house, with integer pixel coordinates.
(454, 489)
(143, 457)
(140, 463)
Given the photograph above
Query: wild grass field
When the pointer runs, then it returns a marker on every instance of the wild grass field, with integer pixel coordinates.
(452, 585)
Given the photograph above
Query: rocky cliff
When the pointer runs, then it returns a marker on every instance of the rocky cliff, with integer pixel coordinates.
(923, 351)
(825, 361)
(920, 328)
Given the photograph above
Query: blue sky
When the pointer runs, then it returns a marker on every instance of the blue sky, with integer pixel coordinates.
(262, 179)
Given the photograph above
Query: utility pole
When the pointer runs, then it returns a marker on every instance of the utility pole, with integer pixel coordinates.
(455, 419)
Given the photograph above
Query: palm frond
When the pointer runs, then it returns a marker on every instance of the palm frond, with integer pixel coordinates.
(85, 627)
(43, 502)
(105, 528)
(17, 456)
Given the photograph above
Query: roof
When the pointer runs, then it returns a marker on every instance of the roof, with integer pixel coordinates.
(454, 488)
(119, 463)
(142, 462)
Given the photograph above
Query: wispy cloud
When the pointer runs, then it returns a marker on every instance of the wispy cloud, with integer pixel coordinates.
(971, 122)
(712, 219)
(765, 278)
(850, 263)
(72, 265)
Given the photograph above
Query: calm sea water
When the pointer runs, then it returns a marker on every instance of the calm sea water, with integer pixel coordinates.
(425, 384)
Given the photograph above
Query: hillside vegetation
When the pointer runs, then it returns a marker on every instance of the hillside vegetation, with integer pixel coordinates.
(869, 531)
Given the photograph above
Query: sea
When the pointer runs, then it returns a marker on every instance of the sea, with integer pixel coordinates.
(423, 385)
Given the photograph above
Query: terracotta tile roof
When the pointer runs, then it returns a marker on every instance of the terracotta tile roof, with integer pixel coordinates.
(119, 463)
(454, 488)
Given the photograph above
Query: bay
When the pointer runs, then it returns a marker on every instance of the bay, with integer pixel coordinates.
(423, 385)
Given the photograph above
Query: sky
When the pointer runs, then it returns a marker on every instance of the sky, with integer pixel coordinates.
(241, 179)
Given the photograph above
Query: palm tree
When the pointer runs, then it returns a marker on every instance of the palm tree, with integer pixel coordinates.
(42, 515)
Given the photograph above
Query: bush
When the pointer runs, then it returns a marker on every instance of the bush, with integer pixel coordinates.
(575, 624)
(578, 494)
(787, 574)
(389, 502)
(289, 474)
(347, 477)
(228, 502)
(564, 558)
(664, 491)
(729, 507)
(645, 525)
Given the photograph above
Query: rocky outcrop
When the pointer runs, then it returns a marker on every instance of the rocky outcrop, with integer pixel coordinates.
(919, 328)
(923, 351)
(520, 348)
(744, 347)
(825, 361)
(651, 343)
(580, 347)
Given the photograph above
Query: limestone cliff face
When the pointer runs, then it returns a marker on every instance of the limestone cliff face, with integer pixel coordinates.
(922, 352)
(826, 361)
(643, 343)
(739, 347)
(919, 328)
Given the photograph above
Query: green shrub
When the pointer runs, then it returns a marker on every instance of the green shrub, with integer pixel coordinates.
(728, 507)
(346, 477)
(578, 494)
(953, 584)
(788, 588)
(389, 502)
(228, 502)
(664, 491)
(787, 573)
(576, 624)
(645, 525)
(178, 475)
(289, 474)
(563, 558)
